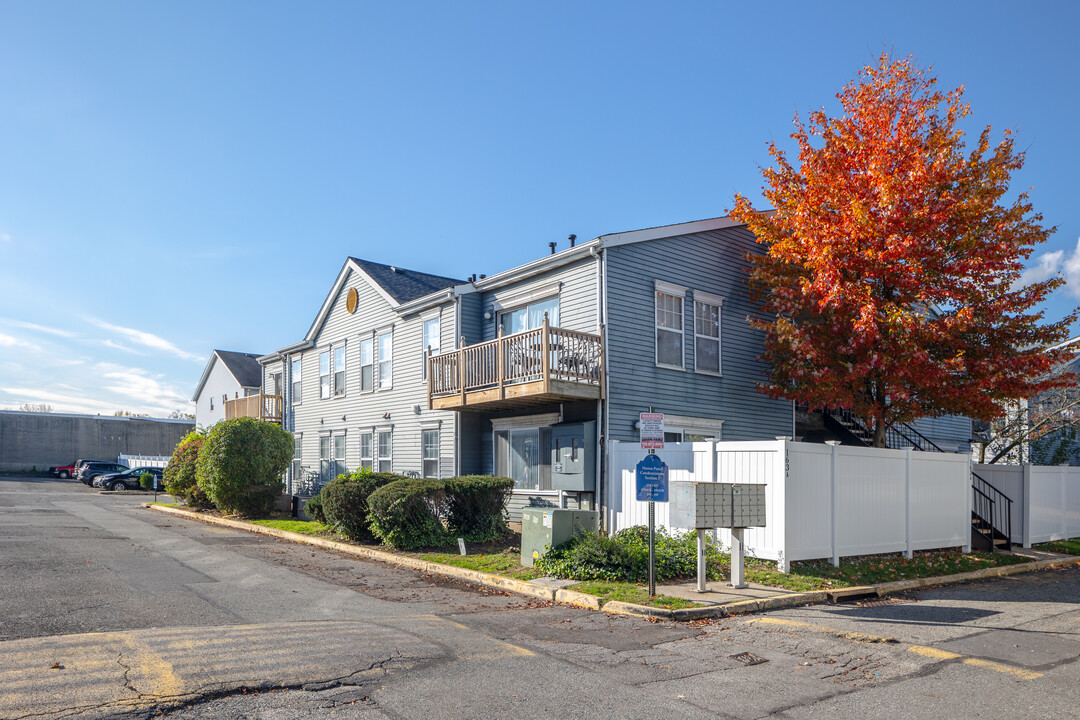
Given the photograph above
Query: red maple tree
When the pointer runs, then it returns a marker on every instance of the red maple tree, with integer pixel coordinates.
(893, 259)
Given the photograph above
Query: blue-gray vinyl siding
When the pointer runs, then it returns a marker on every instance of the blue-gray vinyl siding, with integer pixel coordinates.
(576, 291)
(713, 262)
(951, 433)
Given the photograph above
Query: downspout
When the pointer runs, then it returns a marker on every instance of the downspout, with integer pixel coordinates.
(601, 405)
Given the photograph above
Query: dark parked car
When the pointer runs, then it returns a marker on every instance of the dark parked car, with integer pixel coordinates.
(127, 480)
(91, 470)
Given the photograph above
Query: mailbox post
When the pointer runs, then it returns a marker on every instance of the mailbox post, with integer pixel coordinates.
(704, 505)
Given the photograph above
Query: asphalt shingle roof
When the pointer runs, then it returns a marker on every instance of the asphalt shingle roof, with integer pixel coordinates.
(405, 285)
(244, 367)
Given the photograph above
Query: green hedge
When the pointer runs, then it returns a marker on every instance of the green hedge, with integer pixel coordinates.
(625, 556)
(313, 508)
(180, 473)
(406, 514)
(241, 463)
(146, 481)
(476, 506)
(345, 502)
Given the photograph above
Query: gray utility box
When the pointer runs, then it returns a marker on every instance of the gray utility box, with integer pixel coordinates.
(704, 505)
(543, 528)
(573, 457)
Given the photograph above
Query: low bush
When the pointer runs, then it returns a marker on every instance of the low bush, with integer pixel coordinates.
(476, 506)
(146, 481)
(313, 508)
(344, 502)
(240, 465)
(180, 473)
(406, 514)
(625, 556)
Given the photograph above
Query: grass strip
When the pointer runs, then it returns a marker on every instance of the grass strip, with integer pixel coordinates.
(630, 593)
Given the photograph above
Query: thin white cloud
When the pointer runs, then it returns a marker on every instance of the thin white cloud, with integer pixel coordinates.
(146, 339)
(1051, 264)
(140, 385)
(5, 238)
(41, 328)
(14, 342)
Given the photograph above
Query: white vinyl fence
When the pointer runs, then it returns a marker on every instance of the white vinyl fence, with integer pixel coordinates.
(821, 501)
(1046, 500)
(157, 461)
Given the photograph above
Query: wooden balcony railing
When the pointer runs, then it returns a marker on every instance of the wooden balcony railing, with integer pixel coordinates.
(262, 407)
(547, 363)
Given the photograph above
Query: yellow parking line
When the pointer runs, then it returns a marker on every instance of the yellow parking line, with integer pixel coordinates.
(1007, 669)
(934, 653)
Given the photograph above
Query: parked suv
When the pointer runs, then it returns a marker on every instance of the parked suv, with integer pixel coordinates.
(126, 480)
(92, 469)
(63, 471)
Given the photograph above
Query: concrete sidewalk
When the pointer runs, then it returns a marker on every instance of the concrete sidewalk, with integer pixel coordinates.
(719, 592)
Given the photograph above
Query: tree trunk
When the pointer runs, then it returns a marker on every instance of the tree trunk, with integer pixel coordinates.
(879, 433)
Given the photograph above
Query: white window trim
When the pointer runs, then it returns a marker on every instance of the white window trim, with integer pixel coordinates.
(424, 320)
(696, 425)
(328, 351)
(524, 422)
(372, 338)
(343, 346)
(660, 286)
(370, 433)
(438, 451)
(296, 397)
(517, 298)
(377, 379)
(707, 298)
(375, 447)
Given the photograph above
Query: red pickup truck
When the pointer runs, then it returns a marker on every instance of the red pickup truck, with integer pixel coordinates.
(64, 471)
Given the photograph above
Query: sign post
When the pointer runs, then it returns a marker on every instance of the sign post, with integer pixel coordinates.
(652, 487)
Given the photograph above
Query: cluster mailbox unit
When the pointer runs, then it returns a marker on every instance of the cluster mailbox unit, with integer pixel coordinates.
(706, 505)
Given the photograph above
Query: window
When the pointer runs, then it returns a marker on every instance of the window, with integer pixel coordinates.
(429, 442)
(531, 316)
(365, 450)
(275, 383)
(431, 340)
(324, 374)
(296, 387)
(386, 364)
(669, 325)
(211, 403)
(339, 455)
(385, 451)
(367, 367)
(324, 459)
(682, 428)
(297, 456)
(523, 450)
(339, 370)
(707, 333)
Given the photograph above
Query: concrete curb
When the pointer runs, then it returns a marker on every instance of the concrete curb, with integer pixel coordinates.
(591, 602)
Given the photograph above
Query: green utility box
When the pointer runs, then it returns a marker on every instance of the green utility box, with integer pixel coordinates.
(542, 528)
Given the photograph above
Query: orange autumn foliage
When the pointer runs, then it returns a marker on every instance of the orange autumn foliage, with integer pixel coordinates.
(893, 260)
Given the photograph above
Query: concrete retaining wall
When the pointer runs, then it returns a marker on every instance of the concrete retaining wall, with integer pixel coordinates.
(42, 440)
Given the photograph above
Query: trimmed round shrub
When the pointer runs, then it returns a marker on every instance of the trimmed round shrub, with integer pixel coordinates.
(146, 481)
(476, 506)
(405, 514)
(241, 463)
(180, 473)
(345, 502)
(313, 508)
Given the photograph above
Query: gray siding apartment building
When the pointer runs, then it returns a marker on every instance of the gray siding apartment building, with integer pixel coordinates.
(433, 376)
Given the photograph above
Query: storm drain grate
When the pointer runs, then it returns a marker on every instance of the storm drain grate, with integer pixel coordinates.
(749, 658)
(883, 602)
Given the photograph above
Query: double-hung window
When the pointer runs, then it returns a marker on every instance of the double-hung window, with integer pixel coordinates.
(365, 450)
(339, 455)
(296, 384)
(324, 374)
(669, 324)
(431, 340)
(386, 450)
(324, 459)
(339, 370)
(386, 360)
(367, 365)
(429, 443)
(531, 316)
(707, 332)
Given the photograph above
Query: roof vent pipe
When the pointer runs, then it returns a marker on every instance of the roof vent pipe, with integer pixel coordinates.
(571, 237)
(552, 246)
(483, 276)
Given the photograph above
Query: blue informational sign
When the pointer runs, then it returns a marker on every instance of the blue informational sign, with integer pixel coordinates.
(652, 483)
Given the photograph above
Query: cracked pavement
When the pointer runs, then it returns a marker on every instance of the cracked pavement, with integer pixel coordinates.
(112, 611)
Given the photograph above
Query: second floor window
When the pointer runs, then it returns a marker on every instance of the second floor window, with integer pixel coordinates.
(669, 326)
(706, 333)
(339, 370)
(296, 386)
(324, 374)
(431, 339)
(531, 316)
(386, 360)
(367, 365)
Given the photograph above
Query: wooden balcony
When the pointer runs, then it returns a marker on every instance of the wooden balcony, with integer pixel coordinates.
(260, 407)
(525, 369)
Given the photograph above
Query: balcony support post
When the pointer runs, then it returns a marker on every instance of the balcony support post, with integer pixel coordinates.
(545, 359)
(500, 352)
(461, 370)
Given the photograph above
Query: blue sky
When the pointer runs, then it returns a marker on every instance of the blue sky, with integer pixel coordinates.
(182, 176)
